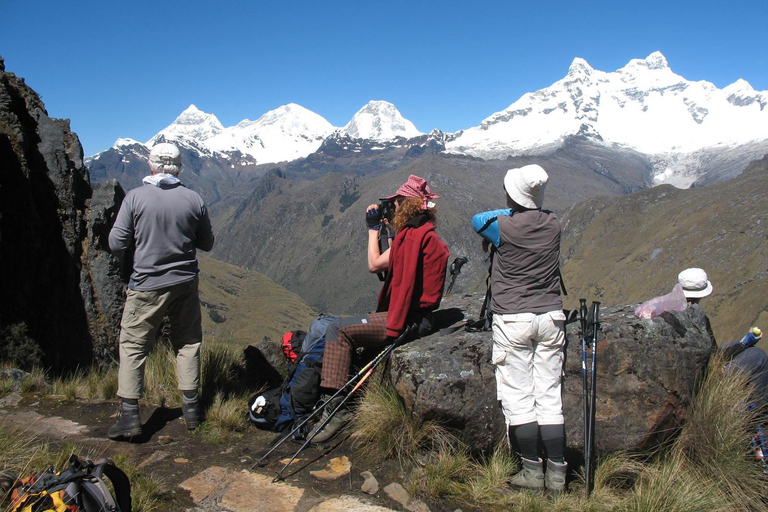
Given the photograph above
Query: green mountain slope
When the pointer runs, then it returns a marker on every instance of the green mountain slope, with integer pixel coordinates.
(241, 307)
(631, 248)
(310, 236)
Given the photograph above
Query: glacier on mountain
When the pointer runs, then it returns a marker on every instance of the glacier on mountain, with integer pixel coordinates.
(643, 106)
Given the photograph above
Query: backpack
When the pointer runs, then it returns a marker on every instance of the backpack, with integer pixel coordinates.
(280, 408)
(78, 488)
(291, 344)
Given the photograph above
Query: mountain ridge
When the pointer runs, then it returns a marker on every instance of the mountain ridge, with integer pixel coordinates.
(643, 106)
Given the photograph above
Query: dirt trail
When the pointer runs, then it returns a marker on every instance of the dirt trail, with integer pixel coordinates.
(200, 476)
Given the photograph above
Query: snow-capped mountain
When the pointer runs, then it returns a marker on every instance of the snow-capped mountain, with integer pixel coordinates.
(643, 106)
(688, 132)
(380, 120)
(286, 133)
(192, 124)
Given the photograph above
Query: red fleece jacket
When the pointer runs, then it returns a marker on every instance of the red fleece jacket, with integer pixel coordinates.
(418, 261)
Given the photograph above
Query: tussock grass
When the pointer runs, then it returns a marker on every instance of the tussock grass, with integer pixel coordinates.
(225, 418)
(36, 381)
(488, 477)
(71, 386)
(383, 428)
(222, 372)
(716, 440)
(160, 383)
(437, 475)
(670, 485)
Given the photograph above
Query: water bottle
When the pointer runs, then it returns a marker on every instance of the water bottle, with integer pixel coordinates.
(753, 336)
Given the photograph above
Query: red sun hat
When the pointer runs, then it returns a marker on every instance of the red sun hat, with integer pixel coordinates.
(415, 187)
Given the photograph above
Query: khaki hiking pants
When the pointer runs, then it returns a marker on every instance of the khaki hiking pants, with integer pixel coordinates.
(144, 312)
(528, 354)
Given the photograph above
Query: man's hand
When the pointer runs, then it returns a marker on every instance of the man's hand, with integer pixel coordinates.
(373, 217)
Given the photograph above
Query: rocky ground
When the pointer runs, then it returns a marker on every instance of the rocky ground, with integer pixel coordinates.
(200, 476)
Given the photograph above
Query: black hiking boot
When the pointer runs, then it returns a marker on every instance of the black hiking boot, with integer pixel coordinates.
(128, 423)
(193, 414)
(336, 423)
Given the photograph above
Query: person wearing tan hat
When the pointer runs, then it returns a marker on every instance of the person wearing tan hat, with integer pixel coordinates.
(528, 325)
(166, 223)
(416, 265)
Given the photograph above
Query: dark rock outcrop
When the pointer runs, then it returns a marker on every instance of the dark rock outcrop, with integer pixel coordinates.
(50, 253)
(646, 375)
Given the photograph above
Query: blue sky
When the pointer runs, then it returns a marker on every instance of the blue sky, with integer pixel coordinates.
(127, 69)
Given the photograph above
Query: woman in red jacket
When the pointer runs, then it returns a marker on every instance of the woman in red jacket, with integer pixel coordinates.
(416, 265)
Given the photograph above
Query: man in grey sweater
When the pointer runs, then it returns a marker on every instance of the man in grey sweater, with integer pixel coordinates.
(166, 223)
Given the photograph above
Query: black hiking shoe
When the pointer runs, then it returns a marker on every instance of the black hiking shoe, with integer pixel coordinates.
(128, 423)
(193, 414)
(336, 423)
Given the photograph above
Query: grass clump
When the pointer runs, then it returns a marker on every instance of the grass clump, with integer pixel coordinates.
(224, 418)
(384, 429)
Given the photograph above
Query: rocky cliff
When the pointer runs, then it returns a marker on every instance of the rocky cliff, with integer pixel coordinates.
(56, 276)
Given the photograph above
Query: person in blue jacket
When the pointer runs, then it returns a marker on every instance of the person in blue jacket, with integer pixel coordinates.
(528, 325)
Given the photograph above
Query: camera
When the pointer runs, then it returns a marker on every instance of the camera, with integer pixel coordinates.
(387, 209)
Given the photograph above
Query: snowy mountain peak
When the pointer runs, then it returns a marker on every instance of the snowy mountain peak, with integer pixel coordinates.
(193, 124)
(740, 86)
(380, 120)
(285, 133)
(655, 61)
(121, 142)
(579, 66)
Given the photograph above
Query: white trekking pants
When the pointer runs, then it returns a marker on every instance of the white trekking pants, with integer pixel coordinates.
(528, 354)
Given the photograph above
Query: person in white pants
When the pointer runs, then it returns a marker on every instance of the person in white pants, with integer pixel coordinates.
(528, 325)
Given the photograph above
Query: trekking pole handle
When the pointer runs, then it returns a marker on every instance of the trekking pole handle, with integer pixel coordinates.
(595, 318)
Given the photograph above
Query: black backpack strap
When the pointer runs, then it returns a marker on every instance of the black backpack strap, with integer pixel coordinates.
(120, 482)
(485, 322)
(562, 281)
(487, 224)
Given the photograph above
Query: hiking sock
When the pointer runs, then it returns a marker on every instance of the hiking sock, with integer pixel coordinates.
(130, 401)
(527, 437)
(553, 437)
(190, 408)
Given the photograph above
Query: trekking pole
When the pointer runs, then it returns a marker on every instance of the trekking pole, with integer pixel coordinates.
(320, 408)
(320, 427)
(593, 398)
(585, 393)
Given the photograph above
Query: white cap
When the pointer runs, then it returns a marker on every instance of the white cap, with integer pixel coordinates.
(695, 283)
(165, 154)
(525, 185)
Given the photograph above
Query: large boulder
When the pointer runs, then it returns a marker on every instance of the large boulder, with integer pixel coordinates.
(646, 371)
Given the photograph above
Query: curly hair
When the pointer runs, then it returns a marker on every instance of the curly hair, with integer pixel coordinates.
(409, 208)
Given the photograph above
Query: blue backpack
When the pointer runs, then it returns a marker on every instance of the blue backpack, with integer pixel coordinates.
(280, 408)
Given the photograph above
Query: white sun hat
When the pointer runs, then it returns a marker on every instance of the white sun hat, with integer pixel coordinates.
(525, 185)
(695, 283)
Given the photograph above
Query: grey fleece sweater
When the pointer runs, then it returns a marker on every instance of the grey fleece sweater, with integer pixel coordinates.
(167, 225)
